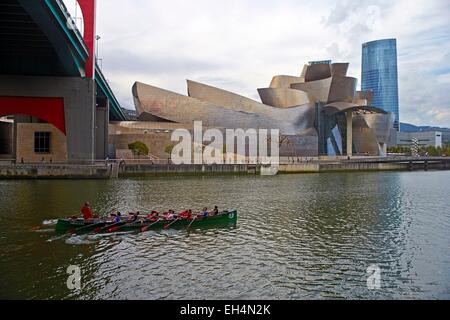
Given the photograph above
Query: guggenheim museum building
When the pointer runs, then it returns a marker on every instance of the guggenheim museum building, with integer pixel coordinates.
(318, 112)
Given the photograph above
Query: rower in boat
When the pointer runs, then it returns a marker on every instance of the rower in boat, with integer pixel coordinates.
(118, 218)
(204, 213)
(170, 215)
(215, 211)
(69, 225)
(154, 216)
(186, 214)
(86, 211)
(134, 216)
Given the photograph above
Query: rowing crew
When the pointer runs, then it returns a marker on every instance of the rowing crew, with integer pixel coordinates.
(154, 216)
(168, 216)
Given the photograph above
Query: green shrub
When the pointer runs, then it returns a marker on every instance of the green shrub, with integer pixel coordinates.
(432, 151)
(169, 149)
(139, 148)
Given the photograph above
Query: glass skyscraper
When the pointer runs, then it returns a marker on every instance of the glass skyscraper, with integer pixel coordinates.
(380, 74)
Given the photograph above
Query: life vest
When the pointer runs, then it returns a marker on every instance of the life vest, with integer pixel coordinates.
(185, 215)
(87, 213)
(168, 216)
(153, 215)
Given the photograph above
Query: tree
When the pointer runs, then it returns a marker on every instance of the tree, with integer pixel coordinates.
(430, 150)
(399, 150)
(169, 149)
(139, 148)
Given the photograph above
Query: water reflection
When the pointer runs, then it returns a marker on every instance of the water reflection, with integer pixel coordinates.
(298, 236)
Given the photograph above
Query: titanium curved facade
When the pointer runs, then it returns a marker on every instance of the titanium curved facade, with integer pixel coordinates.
(380, 75)
(283, 97)
(371, 133)
(320, 111)
(174, 107)
(285, 81)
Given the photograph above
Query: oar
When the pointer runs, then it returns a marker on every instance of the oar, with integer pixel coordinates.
(167, 226)
(101, 221)
(144, 229)
(98, 230)
(115, 229)
(74, 231)
(190, 224)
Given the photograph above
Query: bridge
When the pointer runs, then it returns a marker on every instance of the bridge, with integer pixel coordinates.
(50, 82)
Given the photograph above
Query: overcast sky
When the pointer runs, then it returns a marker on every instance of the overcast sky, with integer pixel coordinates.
(238, 45)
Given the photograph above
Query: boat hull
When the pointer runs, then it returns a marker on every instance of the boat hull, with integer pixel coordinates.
(78, 226)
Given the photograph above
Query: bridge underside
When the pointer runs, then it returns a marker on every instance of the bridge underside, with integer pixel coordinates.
(43, 60)
(33, 42)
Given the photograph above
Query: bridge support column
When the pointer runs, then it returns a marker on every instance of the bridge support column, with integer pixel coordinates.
(349, 133)
(79, 108)
(101, 128)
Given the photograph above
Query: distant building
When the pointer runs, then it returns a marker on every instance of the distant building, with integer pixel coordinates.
(380, 75)
(130, 114)
(425, 139)
(446, 137)
(406, 127)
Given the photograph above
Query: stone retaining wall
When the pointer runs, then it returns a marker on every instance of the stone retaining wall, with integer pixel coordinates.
(55, 172)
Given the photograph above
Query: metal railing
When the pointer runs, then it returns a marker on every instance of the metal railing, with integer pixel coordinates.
(158, 161)
(68, 16)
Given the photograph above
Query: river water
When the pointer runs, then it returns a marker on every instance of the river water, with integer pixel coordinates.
(298, 237)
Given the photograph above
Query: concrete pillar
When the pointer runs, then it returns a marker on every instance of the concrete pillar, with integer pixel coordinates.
(79, 108)
(6, 138)
(383, 150)
(101, 128)
(14, 142)
(349, 133)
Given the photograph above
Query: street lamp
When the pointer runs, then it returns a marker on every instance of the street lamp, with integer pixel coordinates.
(97, 38)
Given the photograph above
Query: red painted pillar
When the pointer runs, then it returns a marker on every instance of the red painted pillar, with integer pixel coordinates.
(88, 7)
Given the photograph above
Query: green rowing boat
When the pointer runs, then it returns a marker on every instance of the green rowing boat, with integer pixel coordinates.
(79, 226)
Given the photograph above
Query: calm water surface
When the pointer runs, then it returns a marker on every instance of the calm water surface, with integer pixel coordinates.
(298, 237)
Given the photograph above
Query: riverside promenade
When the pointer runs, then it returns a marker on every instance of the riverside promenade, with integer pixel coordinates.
(136, 168)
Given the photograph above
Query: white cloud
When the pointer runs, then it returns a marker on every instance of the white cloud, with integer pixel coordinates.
(240, 44)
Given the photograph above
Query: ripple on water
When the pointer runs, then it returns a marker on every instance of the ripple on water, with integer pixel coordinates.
(298, 237)
(52, 222)
(78, 241)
